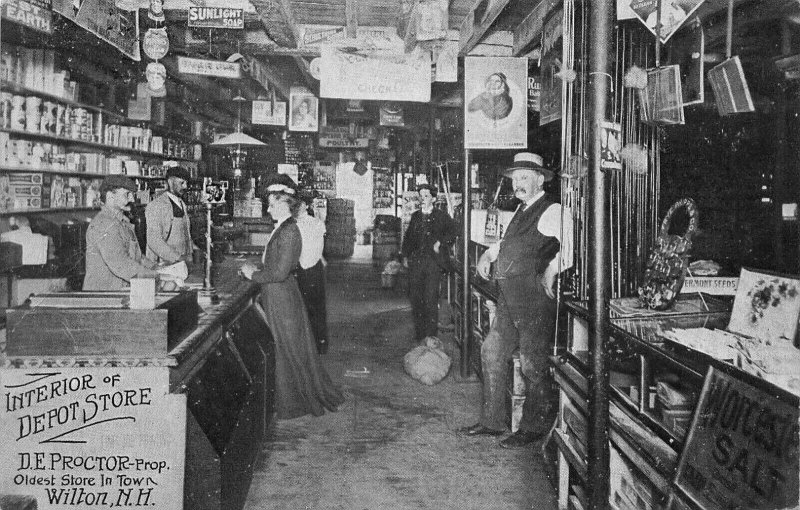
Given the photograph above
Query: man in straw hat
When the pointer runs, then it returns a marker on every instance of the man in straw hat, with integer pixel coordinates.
(526, 263)
(113, 255)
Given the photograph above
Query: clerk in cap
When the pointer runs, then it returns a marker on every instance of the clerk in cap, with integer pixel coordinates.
(113, 255)
(169, 238)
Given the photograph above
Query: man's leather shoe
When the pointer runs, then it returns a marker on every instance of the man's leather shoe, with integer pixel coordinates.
(521, 438)
(480, 430)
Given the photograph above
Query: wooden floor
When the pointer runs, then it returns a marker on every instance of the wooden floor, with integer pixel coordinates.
(392, 445)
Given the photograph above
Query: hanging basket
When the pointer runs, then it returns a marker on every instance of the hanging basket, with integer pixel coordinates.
(669, 260)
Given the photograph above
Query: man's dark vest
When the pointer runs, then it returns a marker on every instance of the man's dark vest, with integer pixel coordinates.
(525, 251)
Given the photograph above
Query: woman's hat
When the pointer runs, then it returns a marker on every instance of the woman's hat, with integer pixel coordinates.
(281, 183)
(529, 161)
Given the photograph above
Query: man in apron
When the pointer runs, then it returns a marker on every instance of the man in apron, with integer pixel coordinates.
(168, 237)
(526, 264)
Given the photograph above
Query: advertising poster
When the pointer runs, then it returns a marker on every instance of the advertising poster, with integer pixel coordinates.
(76, 438)
(495, 103)
(304, 108)
(534, 90)
(673, 14)
(391, 115)
(268, 113)
(741, 451)
(105, 19)
(610, 144)
(552, 49)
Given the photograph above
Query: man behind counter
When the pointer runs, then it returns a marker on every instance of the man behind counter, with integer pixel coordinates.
(113, 255)
(168, 235)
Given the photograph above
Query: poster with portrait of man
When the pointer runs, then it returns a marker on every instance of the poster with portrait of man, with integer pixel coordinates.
(304, 108)
(495, 103)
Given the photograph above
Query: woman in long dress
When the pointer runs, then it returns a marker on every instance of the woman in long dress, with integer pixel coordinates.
(302, 386)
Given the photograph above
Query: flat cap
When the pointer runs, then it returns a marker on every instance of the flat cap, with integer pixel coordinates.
(180, 172)
(114, 182)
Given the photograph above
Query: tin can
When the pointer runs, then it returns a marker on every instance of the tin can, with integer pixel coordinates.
(78, 123)
(48, 122)
(60, 120)
(5, 109)
(98, 127)
(33, 113)
(18, 112)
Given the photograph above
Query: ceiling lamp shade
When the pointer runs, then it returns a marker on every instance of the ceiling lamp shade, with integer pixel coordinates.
(237, 138)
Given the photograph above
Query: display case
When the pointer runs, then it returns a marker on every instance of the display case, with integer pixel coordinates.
(654, 389)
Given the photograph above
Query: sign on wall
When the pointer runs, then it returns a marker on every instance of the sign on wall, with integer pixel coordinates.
(75, 438)
(742, 448)
(356, 75)
(268, 113)
(204, 67)
(35, 14)
(391, 114)
(495, 102)
(215, 17)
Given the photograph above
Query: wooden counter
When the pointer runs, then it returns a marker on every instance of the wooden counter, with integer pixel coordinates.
(218, 379)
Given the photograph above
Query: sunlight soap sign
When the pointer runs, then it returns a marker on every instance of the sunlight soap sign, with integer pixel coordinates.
(75, 438)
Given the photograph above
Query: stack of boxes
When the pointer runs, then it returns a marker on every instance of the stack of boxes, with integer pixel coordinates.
(25, 191)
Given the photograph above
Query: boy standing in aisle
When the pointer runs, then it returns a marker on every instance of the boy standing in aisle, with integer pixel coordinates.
(426, 246)
(310, 275)
(527, 262)
(169, 238)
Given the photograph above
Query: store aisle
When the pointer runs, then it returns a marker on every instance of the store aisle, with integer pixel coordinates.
(391, 445)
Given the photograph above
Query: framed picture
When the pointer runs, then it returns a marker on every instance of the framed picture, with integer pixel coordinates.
(304, 108)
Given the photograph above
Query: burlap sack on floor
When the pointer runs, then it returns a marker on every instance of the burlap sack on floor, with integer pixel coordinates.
(427, 363)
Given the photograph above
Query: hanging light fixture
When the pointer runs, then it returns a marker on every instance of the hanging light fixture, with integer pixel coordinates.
(237, 141)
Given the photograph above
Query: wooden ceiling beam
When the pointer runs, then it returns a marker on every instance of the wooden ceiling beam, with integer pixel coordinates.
(351, 17)
(478, 22)
(530, 29)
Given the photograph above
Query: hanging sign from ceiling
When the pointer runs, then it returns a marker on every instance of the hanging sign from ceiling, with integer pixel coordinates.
(111, 22)
(215, 68)
(673, 14)
(373, 39)
(34, 14)
(347, 75)
(156, 43)
(216, 17)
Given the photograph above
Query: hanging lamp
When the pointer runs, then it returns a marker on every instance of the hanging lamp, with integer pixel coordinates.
(237, 141)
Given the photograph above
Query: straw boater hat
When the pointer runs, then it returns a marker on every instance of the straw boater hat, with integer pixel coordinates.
(529, 161)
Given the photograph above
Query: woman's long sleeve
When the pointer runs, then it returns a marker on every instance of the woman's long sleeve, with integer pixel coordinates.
(282, 255)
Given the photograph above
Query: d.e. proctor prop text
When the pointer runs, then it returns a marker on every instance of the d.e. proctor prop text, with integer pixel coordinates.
(92, 437)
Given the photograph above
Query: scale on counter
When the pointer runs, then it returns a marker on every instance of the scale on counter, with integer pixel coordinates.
(213, 194)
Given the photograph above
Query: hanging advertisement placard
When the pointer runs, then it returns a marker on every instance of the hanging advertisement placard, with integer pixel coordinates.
(33, 14)
(673, 14)
(215, 68)
(215, 17)
(371, 39)
(341, 138)
(346, 75)
(552, 57)
(304, 108)
(610, 136)
(430, 20)
(156, 43)
(495, 103)
(75, 438)
(742, 448)
(391, 115)
(446, 58)
(108, 21)
(268, 113)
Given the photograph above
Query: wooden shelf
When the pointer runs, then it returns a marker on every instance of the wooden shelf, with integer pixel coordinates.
(92, 145)
(49, 210)
(116, 116)
(573, 458)
(90, 175)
